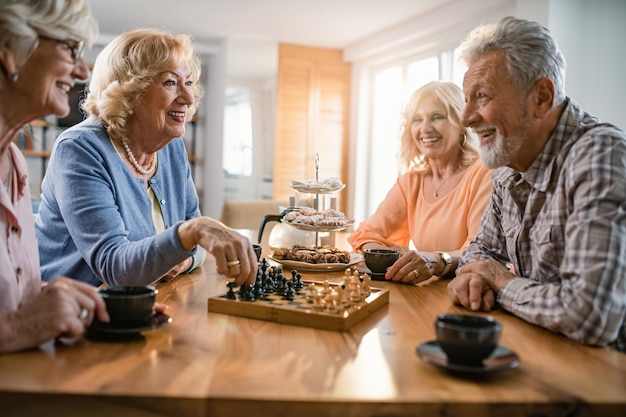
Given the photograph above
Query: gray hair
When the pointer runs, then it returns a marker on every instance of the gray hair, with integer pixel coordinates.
(531, 52)
(22, 21)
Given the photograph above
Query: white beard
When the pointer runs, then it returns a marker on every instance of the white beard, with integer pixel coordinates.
(498, 154)
(502, 150)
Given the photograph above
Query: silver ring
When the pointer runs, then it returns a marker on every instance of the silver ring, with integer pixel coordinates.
(233, 264)
(84, 313)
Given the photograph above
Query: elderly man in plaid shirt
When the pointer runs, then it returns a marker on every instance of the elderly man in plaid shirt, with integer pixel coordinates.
(551, 248)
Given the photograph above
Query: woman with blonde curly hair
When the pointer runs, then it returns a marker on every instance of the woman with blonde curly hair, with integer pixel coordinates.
(119, 205)
(436, 204)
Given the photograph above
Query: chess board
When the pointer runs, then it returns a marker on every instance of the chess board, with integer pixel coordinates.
(300, 311)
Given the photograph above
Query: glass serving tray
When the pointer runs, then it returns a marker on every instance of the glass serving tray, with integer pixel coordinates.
(317, 190)
(313, 228)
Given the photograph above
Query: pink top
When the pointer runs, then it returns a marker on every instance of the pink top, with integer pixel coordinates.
(446, 225)
(19, 256)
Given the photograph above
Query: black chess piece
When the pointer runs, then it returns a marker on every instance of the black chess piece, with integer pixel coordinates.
(280, 286)
(246, 293)
(290, 292)
(258, 288)
(231, 293)
(264, 265)
(299, 283)
(268, 283)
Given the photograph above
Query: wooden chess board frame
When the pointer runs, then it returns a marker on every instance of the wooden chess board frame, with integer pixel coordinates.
(299, 312)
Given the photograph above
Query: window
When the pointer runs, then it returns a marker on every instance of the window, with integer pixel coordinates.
(238, 149)
(391, 86)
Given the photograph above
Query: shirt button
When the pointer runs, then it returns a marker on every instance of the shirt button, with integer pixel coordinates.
(18, 271)
(13, 229)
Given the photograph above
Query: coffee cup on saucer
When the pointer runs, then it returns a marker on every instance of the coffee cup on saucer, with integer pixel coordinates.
(378, 260)
(129, 305)
(467, 339)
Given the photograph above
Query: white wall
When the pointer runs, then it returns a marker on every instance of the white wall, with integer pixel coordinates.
(592, 36)
(211, 181)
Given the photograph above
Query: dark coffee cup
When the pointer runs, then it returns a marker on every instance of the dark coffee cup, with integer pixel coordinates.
(378, 260)
(129, 305)
(467, 339)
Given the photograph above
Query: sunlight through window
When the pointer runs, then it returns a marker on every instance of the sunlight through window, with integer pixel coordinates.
(237, 150)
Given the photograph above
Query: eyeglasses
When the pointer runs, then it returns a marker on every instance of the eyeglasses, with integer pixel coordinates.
(76, 48)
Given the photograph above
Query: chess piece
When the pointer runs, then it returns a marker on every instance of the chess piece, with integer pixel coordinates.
(310, 297)
(367, 285)
(299, 283)
(355, 296)
(231, 293)
(290, 291)
(326, 288)
(258, 289)
(333, 302)
(246, 293)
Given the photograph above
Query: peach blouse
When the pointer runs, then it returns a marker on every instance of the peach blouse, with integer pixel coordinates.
(446, 225)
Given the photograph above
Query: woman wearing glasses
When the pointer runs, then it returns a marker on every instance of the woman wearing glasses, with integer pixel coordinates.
(118, 188)
(41, 42)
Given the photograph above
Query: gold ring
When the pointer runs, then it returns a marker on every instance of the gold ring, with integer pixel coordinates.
(415, 273)
(232, 264)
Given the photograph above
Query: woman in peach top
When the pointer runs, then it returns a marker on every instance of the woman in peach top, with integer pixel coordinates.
(438, 202)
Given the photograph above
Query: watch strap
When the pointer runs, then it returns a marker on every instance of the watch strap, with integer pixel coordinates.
(447, 260)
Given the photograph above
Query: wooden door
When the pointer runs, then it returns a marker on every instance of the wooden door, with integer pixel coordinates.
(312, 110)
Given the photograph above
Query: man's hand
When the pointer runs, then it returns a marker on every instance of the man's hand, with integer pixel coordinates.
(477, 284)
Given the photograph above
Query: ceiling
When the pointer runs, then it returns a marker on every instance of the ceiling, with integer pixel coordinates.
(254, 27)
(323, 23)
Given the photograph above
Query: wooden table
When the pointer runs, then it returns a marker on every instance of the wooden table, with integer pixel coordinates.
(207, 364)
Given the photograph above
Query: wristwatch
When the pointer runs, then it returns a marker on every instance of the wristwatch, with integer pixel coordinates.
(447, 260)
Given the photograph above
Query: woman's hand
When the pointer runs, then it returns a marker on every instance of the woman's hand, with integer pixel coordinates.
(412, 268)
(64, 308)
(233, 252)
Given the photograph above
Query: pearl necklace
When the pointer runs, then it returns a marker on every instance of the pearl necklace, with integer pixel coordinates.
(133, 160)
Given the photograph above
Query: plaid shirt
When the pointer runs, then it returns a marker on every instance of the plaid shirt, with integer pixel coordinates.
(562, 227)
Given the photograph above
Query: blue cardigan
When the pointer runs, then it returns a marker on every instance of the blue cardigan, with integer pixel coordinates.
(95, 221)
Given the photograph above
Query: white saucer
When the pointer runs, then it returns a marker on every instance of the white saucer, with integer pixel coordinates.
(500, 360)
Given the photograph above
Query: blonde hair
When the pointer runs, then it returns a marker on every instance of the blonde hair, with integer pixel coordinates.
(127, 66)
(22, 21)
(451, 96)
